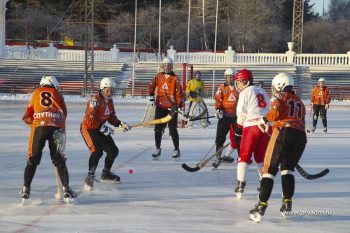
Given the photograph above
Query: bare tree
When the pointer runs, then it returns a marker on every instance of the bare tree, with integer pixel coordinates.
(339, 10)
(322, 36)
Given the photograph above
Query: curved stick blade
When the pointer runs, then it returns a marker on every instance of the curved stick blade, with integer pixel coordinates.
(308, 176)
(190, 169)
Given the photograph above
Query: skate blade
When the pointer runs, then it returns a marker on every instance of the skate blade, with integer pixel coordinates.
(88, 187)
(70, 201)
(155, 158)
(255, 217)
(24, 202)
(109, 181)
(214, 168)
(239, 196)
(285, 214)
(176, 159)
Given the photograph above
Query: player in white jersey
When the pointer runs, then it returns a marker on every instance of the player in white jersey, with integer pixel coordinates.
(253, 104)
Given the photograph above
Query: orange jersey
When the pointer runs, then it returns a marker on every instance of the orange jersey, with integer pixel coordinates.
(46, 107)
(97, 114)
(169, 90)
(226, 99)
(287, 110)
(320, 96)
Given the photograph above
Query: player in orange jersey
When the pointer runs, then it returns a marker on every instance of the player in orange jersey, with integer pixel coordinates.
(226, 99)
(286, 145)
(320, 99)
(46, 115)
(169, 97)
(97, 126)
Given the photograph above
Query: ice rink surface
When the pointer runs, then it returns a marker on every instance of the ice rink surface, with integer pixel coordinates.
(160, 196)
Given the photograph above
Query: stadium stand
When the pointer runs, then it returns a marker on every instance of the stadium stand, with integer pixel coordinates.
(23, 76)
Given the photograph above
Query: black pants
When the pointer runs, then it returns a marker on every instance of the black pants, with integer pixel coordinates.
(319, 110)
(40, 136)
(38, 140)
(222, 129)
(159, 128)
(100, 143)
(285, 149)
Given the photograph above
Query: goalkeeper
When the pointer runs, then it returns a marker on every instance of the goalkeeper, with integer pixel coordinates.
(197, 108)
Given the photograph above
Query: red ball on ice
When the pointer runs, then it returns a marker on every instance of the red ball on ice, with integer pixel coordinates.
(130, 171)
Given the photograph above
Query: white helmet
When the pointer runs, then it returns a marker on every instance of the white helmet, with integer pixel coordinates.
(107, 82)
(167, 60)
(49, 81)
(322, 80)
(281, 80)
(230, 72)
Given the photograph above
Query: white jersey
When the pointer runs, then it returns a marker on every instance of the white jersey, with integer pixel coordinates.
(253, 103)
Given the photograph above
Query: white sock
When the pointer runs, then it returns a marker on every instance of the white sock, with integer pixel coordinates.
(241, 170)
(229, 151)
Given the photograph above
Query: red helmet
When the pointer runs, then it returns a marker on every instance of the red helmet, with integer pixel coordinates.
(243, 79)
(244, 75)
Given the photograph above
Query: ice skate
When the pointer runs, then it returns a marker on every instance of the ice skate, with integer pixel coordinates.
(216, 163)
(156, 154)
(176, 155)
(312, 130)
(227, 159)
(69, 195)
(89, 182)
(25, 193)
(325, 129)
(257, 213)
(239, 190)
(286, 207)
(109, 177)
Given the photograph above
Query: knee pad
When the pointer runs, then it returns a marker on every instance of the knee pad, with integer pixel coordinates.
(58, 158)
(97, 154)
(159, 130)
(32, 162)
(113, 153)
(323, 117)
(172, 131)
(315, 116)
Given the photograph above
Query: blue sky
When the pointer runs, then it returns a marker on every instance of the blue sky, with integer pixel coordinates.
(319, 5)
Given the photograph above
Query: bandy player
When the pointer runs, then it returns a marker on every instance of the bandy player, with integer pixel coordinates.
(253, 104)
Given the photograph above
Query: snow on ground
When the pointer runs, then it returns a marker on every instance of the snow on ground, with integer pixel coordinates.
(160, 196)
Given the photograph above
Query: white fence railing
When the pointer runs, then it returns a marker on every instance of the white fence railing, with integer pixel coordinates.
(23, 52)
(322, 59)
(200, 57)
(260, 58)
(228, 57)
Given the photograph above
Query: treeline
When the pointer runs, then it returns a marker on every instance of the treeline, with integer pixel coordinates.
(246, 25)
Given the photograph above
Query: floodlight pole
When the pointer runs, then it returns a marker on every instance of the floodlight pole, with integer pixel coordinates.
(216, 33)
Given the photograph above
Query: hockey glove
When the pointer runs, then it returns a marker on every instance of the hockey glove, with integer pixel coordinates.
(107, 129)
(125, 126)
(151, 100)
(193, 94)
(92, 102)
(263, 125)
(327, 106)
(219, 114)
(238, 133)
